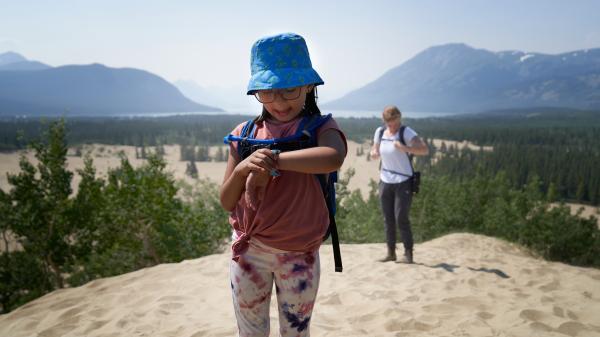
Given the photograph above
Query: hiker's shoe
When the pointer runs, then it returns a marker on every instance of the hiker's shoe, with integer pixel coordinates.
(407, 258)
(388, 258)
(391, 256)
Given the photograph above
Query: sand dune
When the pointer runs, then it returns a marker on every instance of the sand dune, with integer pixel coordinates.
(462, 285)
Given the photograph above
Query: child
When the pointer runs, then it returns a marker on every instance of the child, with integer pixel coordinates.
(278, 212)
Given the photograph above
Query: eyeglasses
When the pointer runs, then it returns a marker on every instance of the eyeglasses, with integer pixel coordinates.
(268, 96)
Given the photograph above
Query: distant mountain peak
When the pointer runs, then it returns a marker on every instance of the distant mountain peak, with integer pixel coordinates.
(11, 57)
(456, 77)
(93, 89)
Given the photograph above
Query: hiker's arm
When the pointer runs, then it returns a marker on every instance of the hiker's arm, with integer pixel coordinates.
(327, 157)
(416, 147)
(375, 151)
(234, 181)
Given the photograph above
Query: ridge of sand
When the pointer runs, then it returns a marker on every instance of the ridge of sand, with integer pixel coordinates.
(462, 285)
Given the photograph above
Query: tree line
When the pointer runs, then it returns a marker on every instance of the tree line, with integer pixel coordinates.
(557, 145)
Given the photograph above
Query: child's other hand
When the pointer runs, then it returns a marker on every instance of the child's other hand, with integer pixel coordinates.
(256, 184)
(262, 161)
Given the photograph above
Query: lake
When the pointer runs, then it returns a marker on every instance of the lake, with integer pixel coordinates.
(335, 113)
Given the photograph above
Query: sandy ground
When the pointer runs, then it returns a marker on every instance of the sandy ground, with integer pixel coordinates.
(587, 210)
(107, 156)
(461, 285)
(459, 145)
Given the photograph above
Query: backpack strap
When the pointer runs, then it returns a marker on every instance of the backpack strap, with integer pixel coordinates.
(306, 132)
(401, 139)
(380, 131)
(410, 156)
(328, 188)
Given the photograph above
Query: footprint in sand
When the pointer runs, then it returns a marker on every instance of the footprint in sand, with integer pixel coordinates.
(71, 312)
(419, 324)
(364, 318)
(465, 301)
(98, 312)
(171, 298)
(95, 325)
(440, 308)
(540, 327)
(532, 315)
(171, 306)
(572, 315)
(485, 315)
(558, 311)
(413, 298)
(450, 285)
(66, 303)
(58, 330)
(550, 286)
(331, 299)
(572, 328)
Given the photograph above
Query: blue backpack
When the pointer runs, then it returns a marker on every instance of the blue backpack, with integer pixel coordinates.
(305, 137)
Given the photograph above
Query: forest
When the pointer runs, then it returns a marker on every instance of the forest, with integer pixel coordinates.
(559, 146)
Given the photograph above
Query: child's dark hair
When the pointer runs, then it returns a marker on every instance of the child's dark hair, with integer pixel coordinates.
(310, 107)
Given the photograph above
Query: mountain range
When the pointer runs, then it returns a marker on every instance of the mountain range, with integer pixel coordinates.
(451, 78)
(33, 88)
(458, 78)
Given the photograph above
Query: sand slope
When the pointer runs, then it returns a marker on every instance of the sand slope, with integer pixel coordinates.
(516, 295)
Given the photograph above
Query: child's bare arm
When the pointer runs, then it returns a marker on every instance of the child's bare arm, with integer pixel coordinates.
(256, 184)
(327, 157)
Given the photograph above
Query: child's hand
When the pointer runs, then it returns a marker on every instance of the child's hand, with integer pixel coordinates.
(262, 161)
(256, 183)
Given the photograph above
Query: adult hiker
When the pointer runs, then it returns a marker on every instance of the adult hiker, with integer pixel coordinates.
(278, 213)
(396, 144)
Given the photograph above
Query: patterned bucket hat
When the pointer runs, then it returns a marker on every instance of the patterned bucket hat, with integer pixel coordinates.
(281, 61)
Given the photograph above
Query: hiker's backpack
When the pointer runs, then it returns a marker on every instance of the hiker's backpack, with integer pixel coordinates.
(416, 175)
(305, 137)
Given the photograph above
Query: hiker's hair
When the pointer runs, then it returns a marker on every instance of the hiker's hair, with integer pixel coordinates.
(310, 107)
(390, 113)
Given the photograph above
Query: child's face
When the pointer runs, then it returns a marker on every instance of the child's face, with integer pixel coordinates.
(285, 110)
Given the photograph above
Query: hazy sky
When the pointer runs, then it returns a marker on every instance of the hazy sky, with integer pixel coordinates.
(351, 42)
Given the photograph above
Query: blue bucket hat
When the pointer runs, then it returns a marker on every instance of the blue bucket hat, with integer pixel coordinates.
(281, 61)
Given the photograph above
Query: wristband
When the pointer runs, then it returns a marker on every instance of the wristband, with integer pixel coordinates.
(274, 172)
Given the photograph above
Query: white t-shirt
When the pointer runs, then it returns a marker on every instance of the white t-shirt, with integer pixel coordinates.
(393, 159)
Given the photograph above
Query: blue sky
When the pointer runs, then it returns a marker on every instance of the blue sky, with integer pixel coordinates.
(351, 42)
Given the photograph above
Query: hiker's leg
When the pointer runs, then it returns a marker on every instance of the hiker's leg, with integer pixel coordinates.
(403, 200)
(251, 284)
(296, 284)
(386, 197)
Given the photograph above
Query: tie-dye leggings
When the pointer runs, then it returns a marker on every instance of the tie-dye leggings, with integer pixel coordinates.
(296, 277)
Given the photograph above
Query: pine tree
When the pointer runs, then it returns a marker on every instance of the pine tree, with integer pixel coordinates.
(191, 169)
(41, 205)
